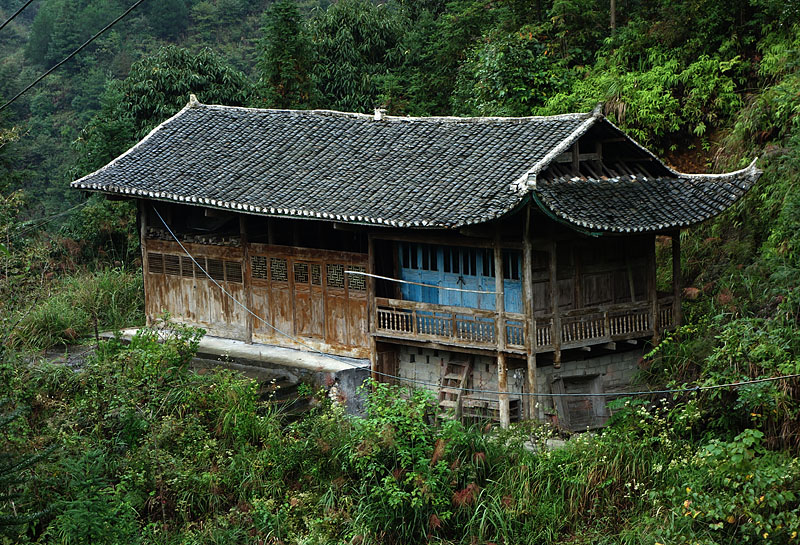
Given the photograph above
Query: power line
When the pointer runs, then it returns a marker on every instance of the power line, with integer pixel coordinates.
(15, 14)
(87, 42)
(470, 390)
(399, 281)
(38, 222)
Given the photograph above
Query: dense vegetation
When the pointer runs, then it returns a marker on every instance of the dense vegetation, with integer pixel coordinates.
(132, 447)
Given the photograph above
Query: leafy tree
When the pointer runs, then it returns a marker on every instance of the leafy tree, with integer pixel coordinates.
(357, 46)
(156, 88)
(285, 64)
(507, 74)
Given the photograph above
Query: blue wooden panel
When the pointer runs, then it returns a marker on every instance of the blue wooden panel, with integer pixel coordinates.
(462, 268)
(513, 296)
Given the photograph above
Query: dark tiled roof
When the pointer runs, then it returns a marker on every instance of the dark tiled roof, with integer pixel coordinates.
(635, 203)
(435, 172)
(403, 172)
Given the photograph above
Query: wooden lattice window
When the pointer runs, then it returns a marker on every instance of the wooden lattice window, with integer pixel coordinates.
(172, 265)
(216, 269)
(258, 264)
(187, 267)
(233, 271)
(316, 274)
(155, 263)
(334, 275)
(278, 269)
(301, 273)
(357, 282)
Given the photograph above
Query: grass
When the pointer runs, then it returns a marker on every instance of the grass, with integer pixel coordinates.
(79, 306)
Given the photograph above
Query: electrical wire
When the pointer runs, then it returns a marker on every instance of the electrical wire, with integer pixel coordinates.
(399, 281)
(87, 42)
(25, 5)
(38, 222)
(470, 390)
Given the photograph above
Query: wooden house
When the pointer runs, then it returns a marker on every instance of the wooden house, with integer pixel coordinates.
(503, 255)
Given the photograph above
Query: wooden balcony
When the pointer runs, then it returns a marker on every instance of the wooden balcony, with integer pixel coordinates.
(475, 328)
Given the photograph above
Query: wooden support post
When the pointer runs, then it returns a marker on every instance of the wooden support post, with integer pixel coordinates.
(270, 231)
(246, 281)
(652, 295)
(576, 160)
(577, 280)
(372, 310)
(676, 279)
(500, 335)
(554, 309)
(530, 323)
(143, 244)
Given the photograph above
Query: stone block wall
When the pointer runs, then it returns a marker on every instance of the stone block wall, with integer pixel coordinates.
(425, 364)
(616, 373)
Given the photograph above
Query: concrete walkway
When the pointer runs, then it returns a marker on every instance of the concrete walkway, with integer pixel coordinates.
(267, 355)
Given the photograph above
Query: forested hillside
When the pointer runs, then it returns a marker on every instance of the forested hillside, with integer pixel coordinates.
(135, 448)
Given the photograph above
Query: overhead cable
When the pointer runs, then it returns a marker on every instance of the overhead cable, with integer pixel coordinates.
(399, 281)
(87, 42)
(25, 5)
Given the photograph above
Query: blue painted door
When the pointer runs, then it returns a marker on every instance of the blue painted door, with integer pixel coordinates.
(512, 281)
(419, 263)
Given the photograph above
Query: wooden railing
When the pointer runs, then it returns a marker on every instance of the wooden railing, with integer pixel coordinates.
(476, 327)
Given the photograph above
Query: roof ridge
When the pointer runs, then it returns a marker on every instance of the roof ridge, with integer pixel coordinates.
(398, 118)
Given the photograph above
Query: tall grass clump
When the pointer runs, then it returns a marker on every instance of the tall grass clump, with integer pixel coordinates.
(79, 306)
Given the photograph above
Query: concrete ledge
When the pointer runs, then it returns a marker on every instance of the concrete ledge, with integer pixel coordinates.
(264, 354)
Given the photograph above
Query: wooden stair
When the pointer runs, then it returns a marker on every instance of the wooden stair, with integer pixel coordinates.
(455, 374)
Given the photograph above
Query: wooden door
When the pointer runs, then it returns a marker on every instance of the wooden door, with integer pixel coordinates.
(335, 304)
(309, 301)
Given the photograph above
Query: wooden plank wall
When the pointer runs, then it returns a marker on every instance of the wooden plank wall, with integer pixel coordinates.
(304, 293)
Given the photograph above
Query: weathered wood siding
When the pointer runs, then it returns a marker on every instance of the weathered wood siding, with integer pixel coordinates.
(300, 293)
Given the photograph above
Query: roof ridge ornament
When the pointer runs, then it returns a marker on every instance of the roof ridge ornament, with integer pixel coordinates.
(193, 102)
(598, 110)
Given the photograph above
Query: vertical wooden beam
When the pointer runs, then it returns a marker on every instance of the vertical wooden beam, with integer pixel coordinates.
(270, 231)
(530, 320)
(500, 334)
(631, 285)
(652, 286)
(576, 159)
(246, 281)
(577, 282)
(142, 204)
(676, 279)
(372, 310)
(554, 309)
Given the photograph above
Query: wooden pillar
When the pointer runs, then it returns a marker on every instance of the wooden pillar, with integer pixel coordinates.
(652, 288)
(576, 160)
(530, 319)
(554, 309)
(247, 284)
(372, 310)
(577, 282)
(676, 279)
(500, 335)
(270, 231)
(143, 244)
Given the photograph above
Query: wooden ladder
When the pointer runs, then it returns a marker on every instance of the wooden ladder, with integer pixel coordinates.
(455, 374)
